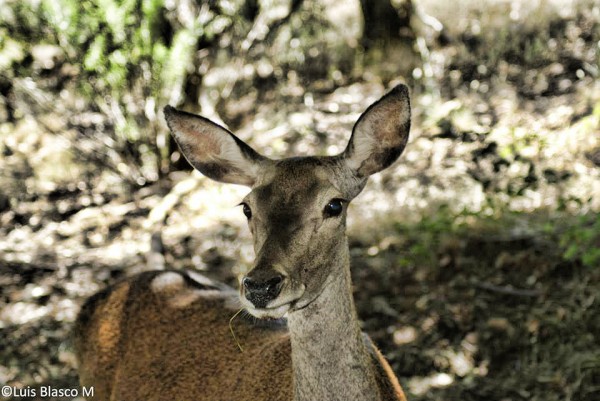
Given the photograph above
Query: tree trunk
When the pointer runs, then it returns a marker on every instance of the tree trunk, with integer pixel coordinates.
(388, 39)
(385, 24)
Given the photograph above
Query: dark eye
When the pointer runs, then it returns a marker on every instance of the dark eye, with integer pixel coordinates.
(246, 210)
(334, 208)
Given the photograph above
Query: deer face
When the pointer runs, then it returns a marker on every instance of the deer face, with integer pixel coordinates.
(296, 209)
(297, 217)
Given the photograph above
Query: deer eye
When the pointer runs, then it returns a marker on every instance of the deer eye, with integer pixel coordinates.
(334, 208)
(246, 210)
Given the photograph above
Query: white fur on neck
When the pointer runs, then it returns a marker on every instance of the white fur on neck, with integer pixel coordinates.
(329, 356)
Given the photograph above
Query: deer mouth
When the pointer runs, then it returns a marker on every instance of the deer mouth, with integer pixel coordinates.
(275, 309)
(276, 312)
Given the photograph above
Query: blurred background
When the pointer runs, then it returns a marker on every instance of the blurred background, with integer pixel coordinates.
(476, 258)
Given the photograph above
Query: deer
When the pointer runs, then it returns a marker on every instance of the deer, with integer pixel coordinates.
(166, 334)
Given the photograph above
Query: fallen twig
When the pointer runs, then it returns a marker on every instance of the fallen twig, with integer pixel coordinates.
(508, 290)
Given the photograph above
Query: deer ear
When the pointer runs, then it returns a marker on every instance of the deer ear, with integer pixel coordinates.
(380, 134)
(213, 150)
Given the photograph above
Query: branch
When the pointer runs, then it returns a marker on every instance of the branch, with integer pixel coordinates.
(507, 290)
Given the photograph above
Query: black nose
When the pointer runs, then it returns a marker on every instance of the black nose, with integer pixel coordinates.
(261, 290)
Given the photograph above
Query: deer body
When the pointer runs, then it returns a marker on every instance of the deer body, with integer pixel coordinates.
(165, 335)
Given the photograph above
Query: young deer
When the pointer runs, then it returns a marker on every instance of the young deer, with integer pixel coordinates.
(165, 335)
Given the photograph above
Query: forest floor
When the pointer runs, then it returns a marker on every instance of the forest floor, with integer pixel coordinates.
(470, 271)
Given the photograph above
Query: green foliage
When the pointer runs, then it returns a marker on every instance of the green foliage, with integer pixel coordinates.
(582, 241)
(578, 238)
(427, 236)
(117, 40)
(134, 56)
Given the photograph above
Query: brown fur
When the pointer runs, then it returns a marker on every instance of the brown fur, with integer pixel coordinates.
(131, 346)
(178, 353)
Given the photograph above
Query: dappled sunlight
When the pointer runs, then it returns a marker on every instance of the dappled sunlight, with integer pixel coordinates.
(21, 312)
(481, 174)
(405, 335)
(421, 385)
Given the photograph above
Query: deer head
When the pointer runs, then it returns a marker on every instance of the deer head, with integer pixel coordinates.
(296, 208)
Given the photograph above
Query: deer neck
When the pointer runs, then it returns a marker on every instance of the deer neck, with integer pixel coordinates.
(329, 357)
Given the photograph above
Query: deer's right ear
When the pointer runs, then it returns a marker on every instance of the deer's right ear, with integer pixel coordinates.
(213, 150)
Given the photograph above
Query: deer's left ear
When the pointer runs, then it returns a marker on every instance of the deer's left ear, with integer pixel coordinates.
(380, 134)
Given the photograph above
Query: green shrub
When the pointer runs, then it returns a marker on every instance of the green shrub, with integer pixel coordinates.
(582, 241)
